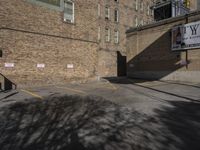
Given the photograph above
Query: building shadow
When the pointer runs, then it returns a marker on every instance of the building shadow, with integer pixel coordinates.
(88, 123)
(155, 61)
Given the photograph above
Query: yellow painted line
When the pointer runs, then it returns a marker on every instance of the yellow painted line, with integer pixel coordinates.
(70, 89)
(112, 86)
(33, 94)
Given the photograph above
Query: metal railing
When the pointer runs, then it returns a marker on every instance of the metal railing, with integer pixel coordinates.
(6, 84)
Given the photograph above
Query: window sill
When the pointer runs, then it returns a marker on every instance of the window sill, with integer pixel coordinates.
(68, 22)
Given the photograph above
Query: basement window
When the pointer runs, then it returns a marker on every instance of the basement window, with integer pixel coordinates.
(69, 11)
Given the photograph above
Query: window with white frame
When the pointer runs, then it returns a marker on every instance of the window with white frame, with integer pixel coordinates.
(136, 5)
(116, 15)
(116, 36)
(152, 12)
(107, 34)
(107, 12)
(99, 10)
(142, 22)
(99, 33)
(151, 9)
(136, 21)
(69, 11)
(141, 5)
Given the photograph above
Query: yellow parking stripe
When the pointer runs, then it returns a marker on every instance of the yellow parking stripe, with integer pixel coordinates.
(33, 94)
(73, 90)
(112, 86)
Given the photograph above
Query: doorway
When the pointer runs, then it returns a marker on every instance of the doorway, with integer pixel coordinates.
(121, 64)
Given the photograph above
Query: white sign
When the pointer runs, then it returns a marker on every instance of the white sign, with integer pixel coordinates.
(40, 65)
(183, 62)
(70, 66)
(9, 65)
(186, 36)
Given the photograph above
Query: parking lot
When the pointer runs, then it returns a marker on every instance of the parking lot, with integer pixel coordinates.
(114, 113)
(144, 96)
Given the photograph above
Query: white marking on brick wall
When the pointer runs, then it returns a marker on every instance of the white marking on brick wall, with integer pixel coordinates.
(9, 65)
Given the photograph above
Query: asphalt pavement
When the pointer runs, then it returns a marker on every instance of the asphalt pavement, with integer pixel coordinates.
(111, 114)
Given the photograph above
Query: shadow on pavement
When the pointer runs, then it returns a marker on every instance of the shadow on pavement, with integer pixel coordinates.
(135, 83)
(183, 123)
(92, 123)
(9, 96)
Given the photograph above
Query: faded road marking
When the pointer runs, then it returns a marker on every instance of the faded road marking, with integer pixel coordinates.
(70, 89)
(33, 94)
(111, 85)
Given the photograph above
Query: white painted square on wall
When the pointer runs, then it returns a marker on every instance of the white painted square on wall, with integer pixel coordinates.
(9, 65)
(40, 65)
(70, 66)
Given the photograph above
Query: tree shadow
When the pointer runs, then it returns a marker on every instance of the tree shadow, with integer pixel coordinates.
(84, 123)
(183, 122)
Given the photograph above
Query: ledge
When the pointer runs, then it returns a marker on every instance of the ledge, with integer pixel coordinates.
(163, 22)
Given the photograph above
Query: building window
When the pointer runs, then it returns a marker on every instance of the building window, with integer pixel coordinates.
(141, 5)
(52, 2)
(107, 12)
(142, 22)
(117, 1)
(152, 12)
(68, 11)
(136, 21)
(99, 33)
(136, 5)
(116, 15)
(148, 9)
(99, 10)
(107, 34)
(116, 37)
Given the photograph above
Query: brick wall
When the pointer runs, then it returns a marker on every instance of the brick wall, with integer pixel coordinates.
(31, 34)
(107, 64)
(150, 56)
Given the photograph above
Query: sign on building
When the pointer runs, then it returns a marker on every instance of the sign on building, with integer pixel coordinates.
(186, 36)
(40, 65)
(9, 65)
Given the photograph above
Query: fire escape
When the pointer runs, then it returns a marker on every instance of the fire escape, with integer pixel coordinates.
(164, 9)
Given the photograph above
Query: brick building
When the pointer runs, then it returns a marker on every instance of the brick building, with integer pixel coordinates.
(56, 41)
(115, 17)
(150, 54)
(194, 4)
